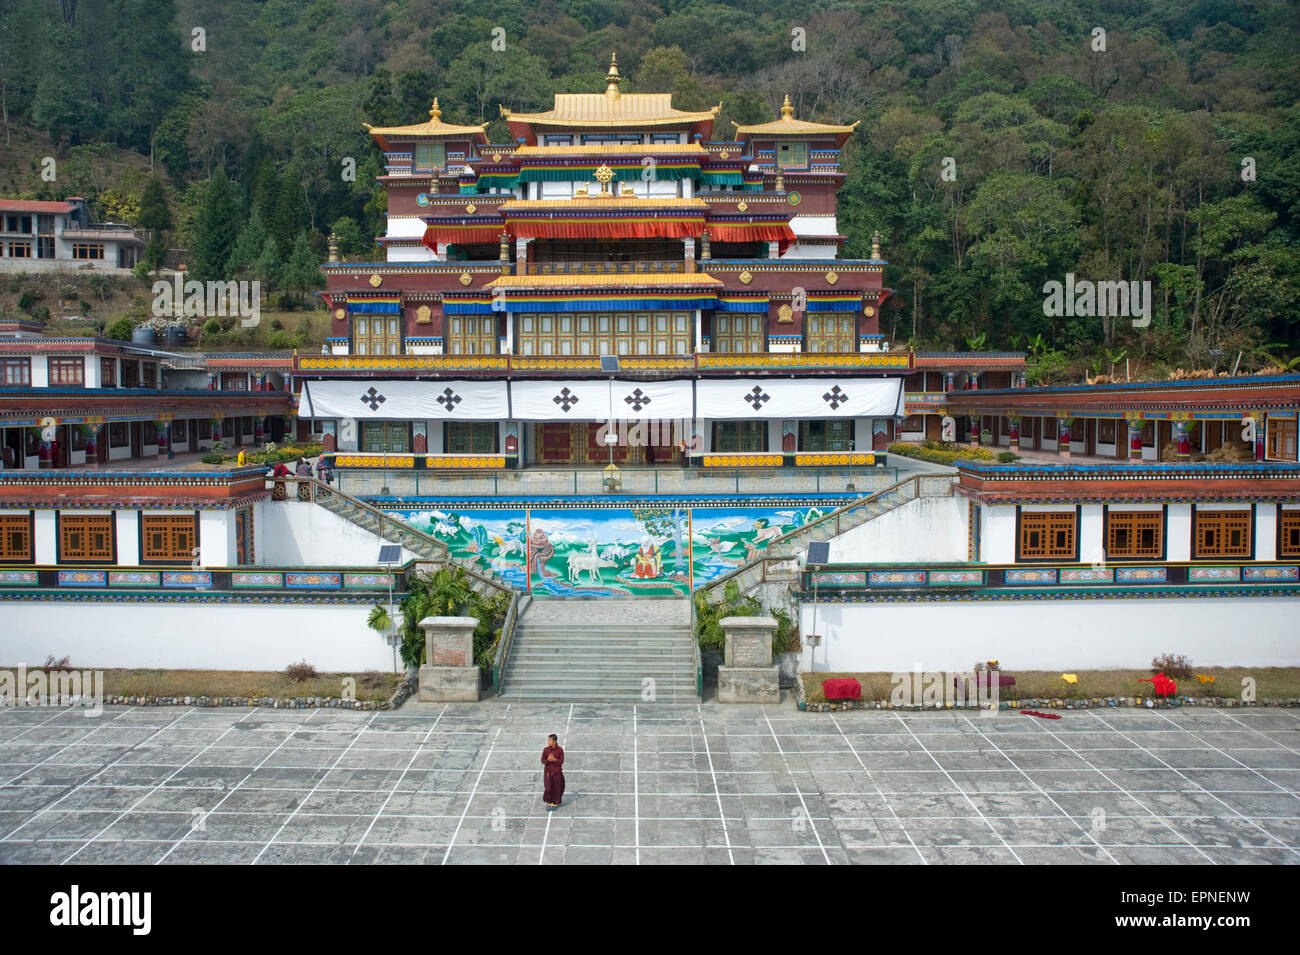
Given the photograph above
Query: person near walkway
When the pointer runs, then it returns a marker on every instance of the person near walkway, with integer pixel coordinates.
(323, 471)
(279, 472)
(242, 458)
(552, 773)
(303, 471)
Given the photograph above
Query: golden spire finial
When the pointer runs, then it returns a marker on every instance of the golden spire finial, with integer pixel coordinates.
(787, 111)
(612, 76)
(435, 114)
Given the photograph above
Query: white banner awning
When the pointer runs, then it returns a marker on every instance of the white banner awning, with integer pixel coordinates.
(790, 398)
(405, 400)
(591, 399)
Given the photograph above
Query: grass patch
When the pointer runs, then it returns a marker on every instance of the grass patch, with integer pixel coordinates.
(1271, 683)
(370, 686)
(938, 452)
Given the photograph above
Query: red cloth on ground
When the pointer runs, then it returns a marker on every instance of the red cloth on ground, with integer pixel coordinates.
(841, 688)
(553, 775)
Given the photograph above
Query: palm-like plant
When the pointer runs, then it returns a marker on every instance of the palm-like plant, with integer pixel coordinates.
(443, 594)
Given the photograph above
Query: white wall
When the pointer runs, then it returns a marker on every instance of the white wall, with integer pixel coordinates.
(997, 533)
(217, 538)
(45, 538)
(1054, 634)
(331, 637)
(128, 537)
(924, 529)
(1178, 532)
(302, 534)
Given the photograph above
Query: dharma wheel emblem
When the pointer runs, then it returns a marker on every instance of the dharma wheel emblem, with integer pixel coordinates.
(466, 278)
(724, 155)
(745, 277)
(470, 208)
(423, 315)
(868, 311)
(785, 314)
(742, 206)
(603, 176)
(832, 278)
(340, 314)
(376, 279)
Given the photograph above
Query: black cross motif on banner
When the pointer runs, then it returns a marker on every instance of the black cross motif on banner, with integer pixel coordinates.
(638, 400)
(835, 397)
(449, 399)
(758, 397)
(566, 399)
(373, 398)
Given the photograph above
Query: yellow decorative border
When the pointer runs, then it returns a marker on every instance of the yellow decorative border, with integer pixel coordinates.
(399, 362)
(833, 458)
(742, 460)
(440, 462)
(809, 359)
(373, 461)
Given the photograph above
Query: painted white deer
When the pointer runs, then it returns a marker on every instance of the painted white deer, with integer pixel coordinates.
(588, 563)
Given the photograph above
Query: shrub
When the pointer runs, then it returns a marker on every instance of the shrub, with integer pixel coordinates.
(300, 672)
(1173, 665)
(939, 453)
(280, 341)
(1006, 457)
(119, 329)
(27, 300)
(212, 457)
(39, 312)
(211, 327)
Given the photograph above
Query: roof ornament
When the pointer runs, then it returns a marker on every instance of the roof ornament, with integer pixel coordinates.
(435, 114)
(612, 77)
(787, 111)
(603, 175)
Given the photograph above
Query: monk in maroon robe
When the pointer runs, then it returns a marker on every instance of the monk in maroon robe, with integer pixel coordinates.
(552, 773)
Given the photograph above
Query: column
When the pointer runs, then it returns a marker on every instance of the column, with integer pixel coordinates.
(165, 439)
(688, 247)
(949, 379)
(747, 674)
(1257, 422)
(92, 442)
(449, 672)
(1063, 436)
(521, 256)
(216, 428)
(973, 423)
(509, 348)
(700, 345)
(1135, 440)
(972, 381)
(774, 250)
(258, 433)
(212, 381)
(1013, 434)
(1182, 441)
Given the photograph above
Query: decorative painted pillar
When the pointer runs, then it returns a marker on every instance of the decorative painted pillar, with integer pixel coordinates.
(1014, 433)
(949, 380)
(45, 454)
(974, 423)
(1182, 440)
(164, 438)
(258, 433)
(92, 441)
(1023, 379)
(216, 427)
(1135, 439)
(504, 254)
(1257, 419)
(1063, 434)
(521, 256)
(972, 381)
(706, 252)
(212, 381)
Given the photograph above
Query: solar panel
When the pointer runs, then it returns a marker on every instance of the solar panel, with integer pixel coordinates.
(609, 363)
(819, 552)
(390, 553)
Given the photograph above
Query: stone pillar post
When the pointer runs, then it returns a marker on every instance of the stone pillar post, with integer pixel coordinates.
(747, 674)
(449, 672)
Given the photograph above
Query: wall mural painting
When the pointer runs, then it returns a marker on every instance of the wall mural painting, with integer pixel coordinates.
(652, 550)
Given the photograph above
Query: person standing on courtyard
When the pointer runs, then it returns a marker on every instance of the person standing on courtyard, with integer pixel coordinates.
(552, 773)
(303, 471)
(279, 473)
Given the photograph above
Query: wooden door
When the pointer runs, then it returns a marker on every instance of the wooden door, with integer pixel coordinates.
(554, 443)
(597, 450)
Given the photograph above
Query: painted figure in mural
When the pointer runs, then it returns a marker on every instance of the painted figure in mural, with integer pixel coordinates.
(649, 562)
(540, 550)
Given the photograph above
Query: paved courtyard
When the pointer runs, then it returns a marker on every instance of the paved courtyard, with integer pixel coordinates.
(648, 784)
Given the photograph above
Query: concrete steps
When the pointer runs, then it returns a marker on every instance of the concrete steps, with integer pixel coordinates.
(602, 650)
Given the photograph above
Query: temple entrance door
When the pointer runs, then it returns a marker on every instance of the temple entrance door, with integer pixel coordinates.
(597, 450)
(1090, 437)
(555, 443)
(65, 446)
(137, 447)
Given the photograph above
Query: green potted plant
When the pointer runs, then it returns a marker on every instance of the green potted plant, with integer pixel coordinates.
(786, 646)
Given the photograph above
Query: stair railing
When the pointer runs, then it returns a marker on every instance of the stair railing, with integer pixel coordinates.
(504, 641)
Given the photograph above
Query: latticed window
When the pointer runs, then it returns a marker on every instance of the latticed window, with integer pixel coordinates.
(1135, 534)
(1221, 534)
(471, 335)
(831, 332)
(740, 436)
(386, 437)
(1047, 535)
(737, 333)
(67, 371)
(86, 537)
(376, 335)
(169, 538)
(825, 435)
(1288, 534)
(16, 371)
(430, 155)
(1281, 439)
(605, 333)
(471, 437)
(16, 538)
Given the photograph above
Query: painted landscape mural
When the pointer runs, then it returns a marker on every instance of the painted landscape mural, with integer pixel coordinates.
(648, 550)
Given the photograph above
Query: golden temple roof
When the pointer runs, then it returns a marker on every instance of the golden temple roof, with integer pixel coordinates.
(788, 125)
(611, 203)
(612, 108)
(626, 280)
(434, 127)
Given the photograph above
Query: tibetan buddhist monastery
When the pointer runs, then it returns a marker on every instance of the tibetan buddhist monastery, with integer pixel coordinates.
(614, 262)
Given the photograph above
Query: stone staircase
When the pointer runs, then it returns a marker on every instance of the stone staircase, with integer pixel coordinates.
(396, 531)
(596, 650)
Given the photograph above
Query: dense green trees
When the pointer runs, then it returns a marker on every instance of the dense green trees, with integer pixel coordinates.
(999, 148)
